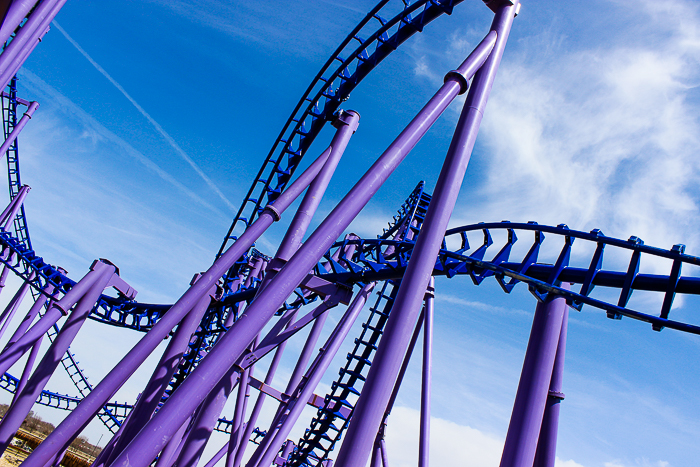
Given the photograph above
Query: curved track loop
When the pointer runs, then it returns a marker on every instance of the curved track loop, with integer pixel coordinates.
(331, 86)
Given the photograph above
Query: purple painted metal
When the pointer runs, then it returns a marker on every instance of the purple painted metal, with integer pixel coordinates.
(27, 370)
(424, 443)
(93, 403)
(31, 314)
(172, 450)
(385, 455)
(372, 403)
(237, 426)
(233, 343)
(546, 453)
(14, 55)
(151, 396)
(58, 309)
(376, 456)
(213, 405)
(346, 123)
(306, 387)
(14, 304)
(250, 426)
(9, 213)
(18, 127)
(531, 398)
(15, 14)
(106, 275)
(209, 413)
(218, 456)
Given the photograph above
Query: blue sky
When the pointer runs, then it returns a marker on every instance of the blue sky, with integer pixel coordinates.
(593, 122)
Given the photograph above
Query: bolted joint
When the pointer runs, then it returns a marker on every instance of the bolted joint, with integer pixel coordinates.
(494, 5)
(350, 117)
(556, 395)
(276, 215)
(455, 75)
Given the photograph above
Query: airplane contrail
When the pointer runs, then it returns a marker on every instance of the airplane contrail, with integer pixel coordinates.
(169, 139)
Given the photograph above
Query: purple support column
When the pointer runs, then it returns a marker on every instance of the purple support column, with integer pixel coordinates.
(172, 450)
(27, 370)
(233, 343)
(346, 123)
(250, 426)
(15, 14)
(217, 457)
(313, 376)
(93, 403)
(9, 213)
(31, 314)
(58, 309)
(163, 373)
(14, 304)
(12, 57)
(6, 270)
(370, 407)
(239, 413)
(531, 398)
(106, 275)
(18, 127)
(385, 455)
(424, 444)
(546, 453)
(376, 456)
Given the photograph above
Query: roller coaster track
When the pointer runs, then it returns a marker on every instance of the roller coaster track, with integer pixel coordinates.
(331, 86)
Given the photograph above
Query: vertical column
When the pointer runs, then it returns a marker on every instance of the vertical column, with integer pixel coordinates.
(546, 453)
(424, 444)
(530, 400)
(368, 412)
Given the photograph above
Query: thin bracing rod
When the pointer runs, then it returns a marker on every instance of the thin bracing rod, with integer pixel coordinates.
(370, 407)
(233, 343)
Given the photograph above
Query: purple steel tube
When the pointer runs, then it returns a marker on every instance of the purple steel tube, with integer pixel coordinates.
(12, 353)
(12, 57)
(15, 14)
(546, 453)
(19, 410)
(151, 396)
(239, 413)
(370, 407)
(11, 308)
(376, 456)
(346, 123)
(313, 376)
(385, 456)
(31, 314)
(203, 425)
(92, 403)
(217, 457)
(233, 343)
(172, 450)
(18, 127)
(531, 398)
(250, 426)
(8, 215)
(27, 370)
(424, 444)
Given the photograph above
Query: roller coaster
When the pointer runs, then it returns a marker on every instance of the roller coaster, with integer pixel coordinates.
(249, 302)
